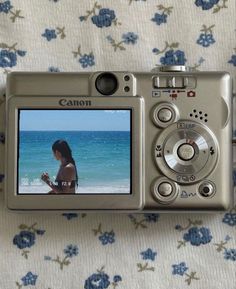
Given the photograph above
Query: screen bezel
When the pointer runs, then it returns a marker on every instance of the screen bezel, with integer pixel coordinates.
(133, 201)
(77, 109)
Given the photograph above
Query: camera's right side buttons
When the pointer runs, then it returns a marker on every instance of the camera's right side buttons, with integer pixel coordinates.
(164, 114)
(164, 190)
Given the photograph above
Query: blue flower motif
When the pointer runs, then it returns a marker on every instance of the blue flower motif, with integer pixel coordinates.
(159, 18)
(5, 7)
(40, 232)
(29, 279)
(178, 227)
(179, 269)
(107, 237)
(151, 217)
(82, 18)
(69, 216)
(21, 52)
(24, 239)
(230, 254)
(7, 58)
(230, 219)
(148, 254)
(233, 60)
(227, 238)
(109, 38)
(104, 18)
(49, 34)
(117, 278)
(173, 58)
(87, 60)
(206, 4)
(130, 38)
(47, 258)
(205, 39)
(71, 251)
(198, 236)
(155, 50)
(97, 281)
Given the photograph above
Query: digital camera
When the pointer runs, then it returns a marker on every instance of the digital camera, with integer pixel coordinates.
(117, 141)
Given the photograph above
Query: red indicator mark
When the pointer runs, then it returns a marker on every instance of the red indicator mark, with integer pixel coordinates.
(173, 96)
(191, 93)
(190, 141)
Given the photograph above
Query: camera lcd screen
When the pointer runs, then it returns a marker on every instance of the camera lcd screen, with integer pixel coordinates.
(74, 151)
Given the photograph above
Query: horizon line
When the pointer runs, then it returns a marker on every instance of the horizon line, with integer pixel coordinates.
(74, 130)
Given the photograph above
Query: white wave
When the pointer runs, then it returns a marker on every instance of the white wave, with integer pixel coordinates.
(111, 189)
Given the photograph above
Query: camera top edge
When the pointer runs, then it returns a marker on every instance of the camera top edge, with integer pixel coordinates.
(94, 83)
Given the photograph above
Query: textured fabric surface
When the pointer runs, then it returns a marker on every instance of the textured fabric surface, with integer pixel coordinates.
(90, 251)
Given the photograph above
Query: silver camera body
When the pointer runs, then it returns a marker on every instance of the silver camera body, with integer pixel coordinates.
(178, 148)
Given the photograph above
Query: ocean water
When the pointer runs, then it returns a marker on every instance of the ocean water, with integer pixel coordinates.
(102, 159)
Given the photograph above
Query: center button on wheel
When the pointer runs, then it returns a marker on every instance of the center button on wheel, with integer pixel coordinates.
(185, 152)
(165, 189)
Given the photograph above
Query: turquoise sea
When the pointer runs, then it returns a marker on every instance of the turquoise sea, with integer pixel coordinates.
(102, 159)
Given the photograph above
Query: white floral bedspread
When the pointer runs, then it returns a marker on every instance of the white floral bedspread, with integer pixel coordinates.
(98, 251)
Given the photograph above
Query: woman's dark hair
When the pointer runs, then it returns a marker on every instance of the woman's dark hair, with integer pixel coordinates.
(65, 150)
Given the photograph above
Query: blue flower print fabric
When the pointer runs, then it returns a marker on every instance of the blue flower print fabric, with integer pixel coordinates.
(76, 250)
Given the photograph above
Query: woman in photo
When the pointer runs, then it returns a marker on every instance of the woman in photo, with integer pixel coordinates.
(67, 177)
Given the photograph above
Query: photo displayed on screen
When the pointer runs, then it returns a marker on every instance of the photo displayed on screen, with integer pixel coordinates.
(74, 151)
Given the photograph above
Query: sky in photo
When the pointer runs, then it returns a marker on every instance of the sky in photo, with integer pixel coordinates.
(74, 120)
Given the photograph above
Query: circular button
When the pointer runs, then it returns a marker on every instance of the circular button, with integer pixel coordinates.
(206, 189)
(164, 114)
(165, 189)
(185, 152)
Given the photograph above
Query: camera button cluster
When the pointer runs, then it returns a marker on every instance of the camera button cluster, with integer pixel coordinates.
(164, 190)
(186, 152)
(163, 81)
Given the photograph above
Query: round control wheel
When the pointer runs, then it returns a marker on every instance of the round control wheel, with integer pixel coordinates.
(206, 189)
(164, 114)
(164, 190)
(186, 152)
